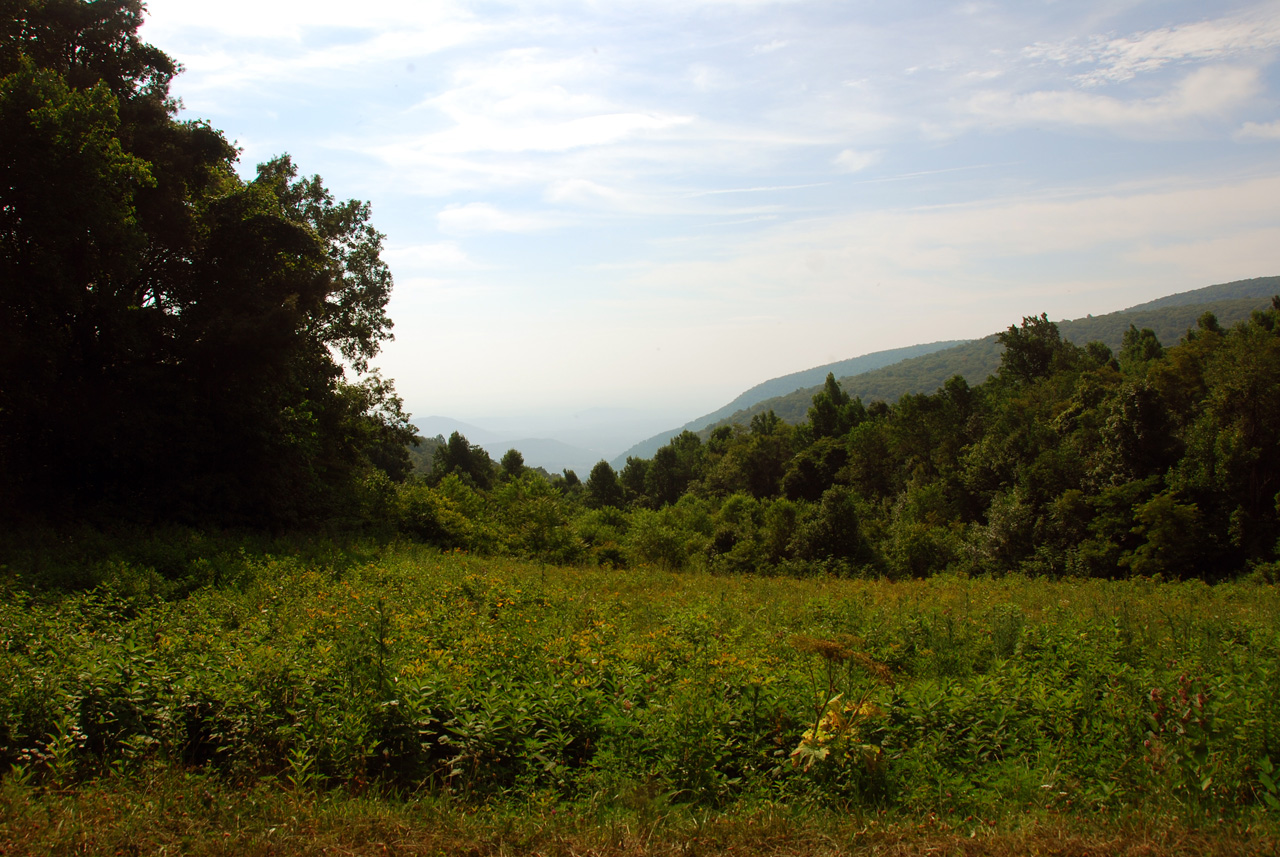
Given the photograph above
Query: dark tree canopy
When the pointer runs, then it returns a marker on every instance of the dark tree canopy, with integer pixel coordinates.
(1029, 350)
(602, 487)
(170, 334)
(462, 458)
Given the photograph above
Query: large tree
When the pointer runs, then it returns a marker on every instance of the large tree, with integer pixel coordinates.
(173, 339)
(603, 488)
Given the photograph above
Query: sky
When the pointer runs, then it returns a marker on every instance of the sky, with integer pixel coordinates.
(655, 205)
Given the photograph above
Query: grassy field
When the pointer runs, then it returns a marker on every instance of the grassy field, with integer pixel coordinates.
(212, 695)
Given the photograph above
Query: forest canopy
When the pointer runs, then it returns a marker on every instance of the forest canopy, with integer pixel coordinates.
(174, 340)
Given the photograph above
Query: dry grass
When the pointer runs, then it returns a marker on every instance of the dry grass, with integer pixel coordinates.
(173, 812)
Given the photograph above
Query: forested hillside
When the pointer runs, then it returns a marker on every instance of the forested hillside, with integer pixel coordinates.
(785, 385)
(1169, 318)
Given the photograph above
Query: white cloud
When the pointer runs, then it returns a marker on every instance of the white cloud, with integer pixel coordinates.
(1089, 220)
(291, 19)
(770, 47)
(757, 189)
(833, 263)
(1120, 59)
(444, 254)
(529, 101)
(1259, 131)
(1240, 255)
(257, 44)
(588, 194)
(1207, 93)
(482, 217)
(484, 134)
(707, 78)
(852, 161)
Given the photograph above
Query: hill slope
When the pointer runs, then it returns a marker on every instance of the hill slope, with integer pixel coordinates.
(1169, 318)
(784, 385)
(1263, 287)
(888, 375)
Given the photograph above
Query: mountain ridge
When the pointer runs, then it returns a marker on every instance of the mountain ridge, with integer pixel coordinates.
(785, 384)
(977, 359)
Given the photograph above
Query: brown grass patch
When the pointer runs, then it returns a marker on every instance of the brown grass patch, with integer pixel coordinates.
(179, 813)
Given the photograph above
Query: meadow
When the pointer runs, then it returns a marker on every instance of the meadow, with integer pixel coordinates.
(234, 677)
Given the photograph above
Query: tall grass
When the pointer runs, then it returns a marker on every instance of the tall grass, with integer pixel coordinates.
(495, 682)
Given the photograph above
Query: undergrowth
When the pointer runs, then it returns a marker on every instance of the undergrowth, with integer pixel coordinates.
(400, 673)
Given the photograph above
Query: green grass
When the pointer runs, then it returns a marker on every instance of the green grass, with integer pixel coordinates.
(377, 680)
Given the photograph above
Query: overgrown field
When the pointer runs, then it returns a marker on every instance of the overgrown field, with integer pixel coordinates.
(404, 672)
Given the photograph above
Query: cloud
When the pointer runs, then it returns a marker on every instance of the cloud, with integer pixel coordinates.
(292, 19)
(1122, 59)
(852, 161)
(477, 133)
(831, 264)
(258, 45)
(1093, 219)
(707, 78)
(770, 47)
(757, 189)
(1259, 131)
(445, 254)
(529, 101)
(481, 217)
(588, 194)
(1237, 256)
(1207, 93)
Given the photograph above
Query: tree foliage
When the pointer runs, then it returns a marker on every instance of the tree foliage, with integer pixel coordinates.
(170, 335)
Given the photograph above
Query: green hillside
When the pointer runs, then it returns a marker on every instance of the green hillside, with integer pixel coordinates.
(785, 385)
(809, 377)
(1256, 287)
(1169, 318)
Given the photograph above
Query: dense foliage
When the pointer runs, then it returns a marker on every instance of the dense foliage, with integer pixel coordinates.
(502, 681)
(977, 360)
(1068, 461)
(172, 338)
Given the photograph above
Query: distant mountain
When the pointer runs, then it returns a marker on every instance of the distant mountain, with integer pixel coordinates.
(975, 361)
(783, 385)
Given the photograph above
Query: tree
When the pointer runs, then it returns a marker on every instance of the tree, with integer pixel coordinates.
(634, 477)
(813, 470)
(833, 413)
(173, 339)
(460, 457)
(1029, 350)
(1138, 349)
(602, 487)
(512, 464)
(674, 467)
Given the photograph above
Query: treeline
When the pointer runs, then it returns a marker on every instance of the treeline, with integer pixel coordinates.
(1069, 460)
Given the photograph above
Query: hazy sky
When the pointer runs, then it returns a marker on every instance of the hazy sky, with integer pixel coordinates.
(660, 204)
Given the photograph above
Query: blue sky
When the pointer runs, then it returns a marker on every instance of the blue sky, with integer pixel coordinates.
(660, 204)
